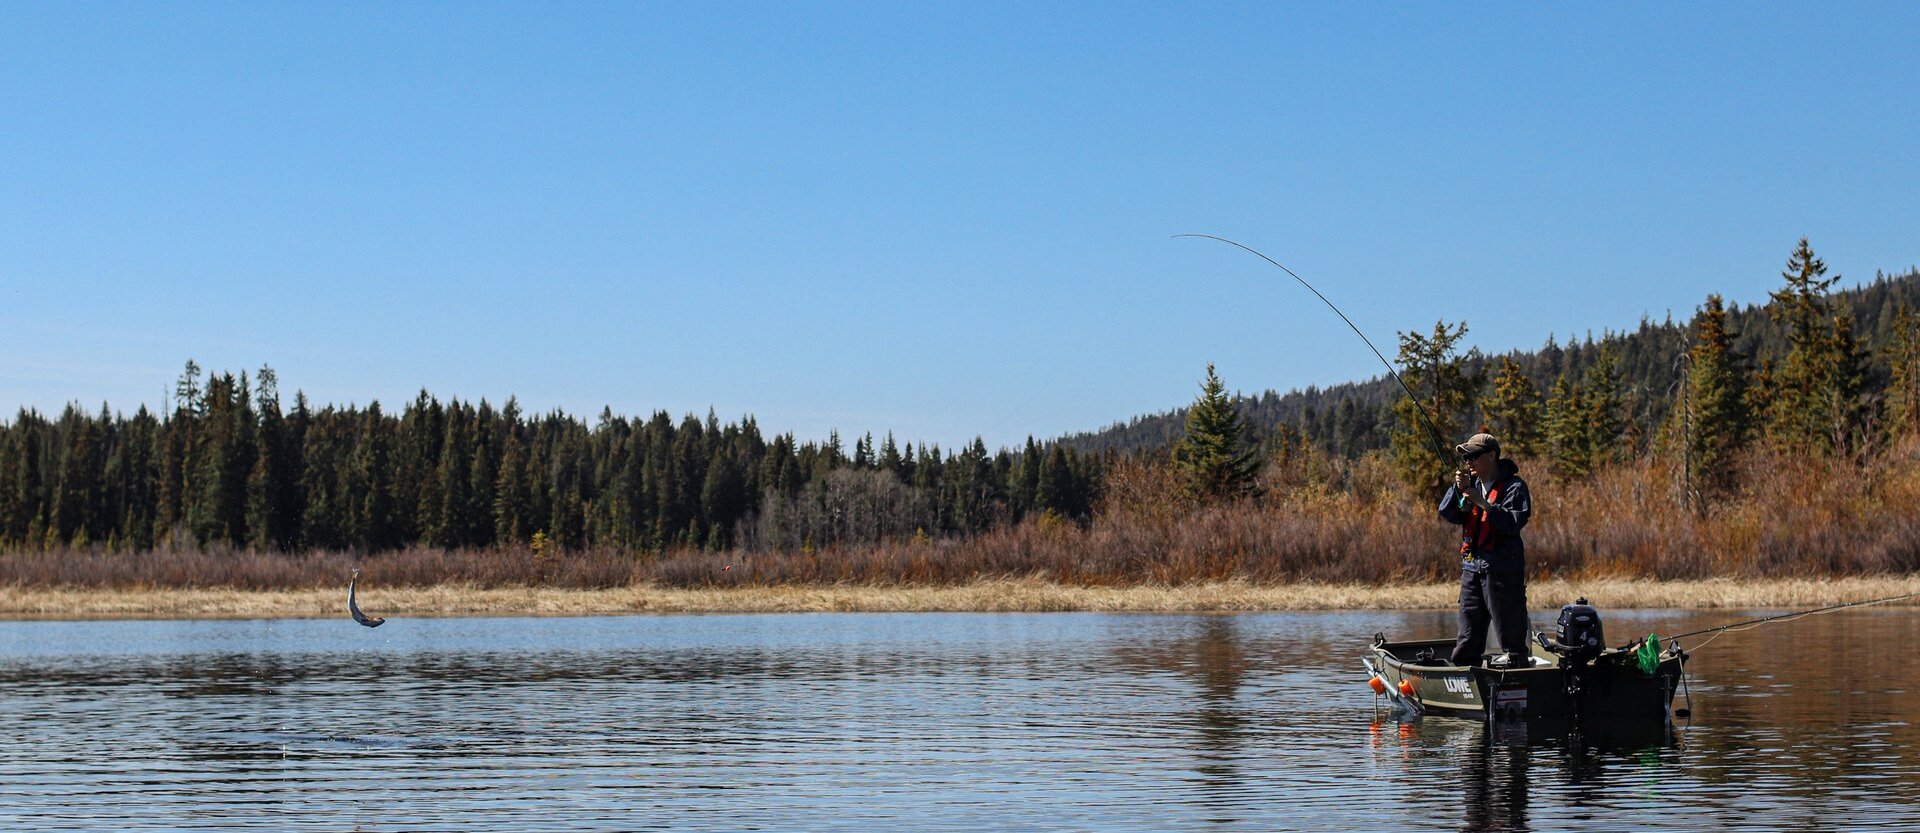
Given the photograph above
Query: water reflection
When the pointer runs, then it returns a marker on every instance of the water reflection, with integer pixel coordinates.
(1219, 664)
(1497, 767)
(1043, 722)
(1494, 792)
(1204, 663)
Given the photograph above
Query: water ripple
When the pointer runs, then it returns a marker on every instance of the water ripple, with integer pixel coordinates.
(935, 721)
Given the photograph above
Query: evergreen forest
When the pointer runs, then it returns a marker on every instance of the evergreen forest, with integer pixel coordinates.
(1688, 416)
(1354, 418)
(231, 466)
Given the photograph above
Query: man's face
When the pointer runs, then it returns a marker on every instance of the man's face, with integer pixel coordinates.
(1484, 465)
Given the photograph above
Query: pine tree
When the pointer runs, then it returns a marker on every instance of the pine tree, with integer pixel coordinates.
(103, 510)
(891, 460)
(16, 510)
(972, 490)
(1004, 484)
(513, 518)
(324, 486)
(686, 472)
(1903, 388)
(1214, 459)
(1845, 385)
(832, 456)
(1800, 397)
(134, 472)
(1604, 420)
(76, 478)
(446, 526)
(223, 459)
(1566, 435)
(1027, 485)
(272, 488)
(416, 453)
(656, 484)
(1514, 415)
(186, 391)
(1352, 428)
(1712, 421)
(1433, 369)
(621, 503)
(1055, 492)
(482, 473)
(178, 441)
(367, 506)
(723, 499)
(566, 517)
(781, 469)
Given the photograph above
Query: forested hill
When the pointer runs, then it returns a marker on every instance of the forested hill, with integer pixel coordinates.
(1352, 418)
(227, 466)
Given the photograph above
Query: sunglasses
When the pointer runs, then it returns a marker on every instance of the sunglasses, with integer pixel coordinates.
(1474, 456)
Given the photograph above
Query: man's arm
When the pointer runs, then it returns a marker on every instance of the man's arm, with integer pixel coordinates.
(1511, 511)
(1450, 510)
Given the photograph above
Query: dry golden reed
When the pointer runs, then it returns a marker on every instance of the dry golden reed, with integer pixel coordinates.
(998, 595)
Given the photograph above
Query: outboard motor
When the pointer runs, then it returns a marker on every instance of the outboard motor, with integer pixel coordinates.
(1577, 635)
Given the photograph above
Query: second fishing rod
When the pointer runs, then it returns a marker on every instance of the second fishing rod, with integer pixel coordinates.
(1441, 447)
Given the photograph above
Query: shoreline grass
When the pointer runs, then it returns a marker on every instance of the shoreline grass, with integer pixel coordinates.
(999, 595)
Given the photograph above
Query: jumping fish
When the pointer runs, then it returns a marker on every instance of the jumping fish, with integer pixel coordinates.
(353, 607)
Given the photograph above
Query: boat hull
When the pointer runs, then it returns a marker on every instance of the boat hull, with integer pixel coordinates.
(1610, 688)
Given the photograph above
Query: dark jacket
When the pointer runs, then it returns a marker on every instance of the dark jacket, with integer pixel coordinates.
(1512, 505)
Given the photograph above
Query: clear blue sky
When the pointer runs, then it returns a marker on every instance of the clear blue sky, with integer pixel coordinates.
(940, 221)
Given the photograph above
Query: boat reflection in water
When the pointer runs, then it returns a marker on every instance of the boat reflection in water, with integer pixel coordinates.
(1496, 767)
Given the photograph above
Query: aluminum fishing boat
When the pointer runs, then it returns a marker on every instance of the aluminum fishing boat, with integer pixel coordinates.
(1570, 676)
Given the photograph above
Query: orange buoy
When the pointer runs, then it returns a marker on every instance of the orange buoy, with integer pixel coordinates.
(1379, 685)
(1406, 687)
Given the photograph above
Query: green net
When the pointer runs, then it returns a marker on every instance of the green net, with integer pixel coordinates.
(1649, 655)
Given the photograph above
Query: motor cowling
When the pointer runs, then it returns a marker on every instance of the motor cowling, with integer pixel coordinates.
(1578, 630)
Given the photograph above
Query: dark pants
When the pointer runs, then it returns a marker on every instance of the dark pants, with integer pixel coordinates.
(1500, 596)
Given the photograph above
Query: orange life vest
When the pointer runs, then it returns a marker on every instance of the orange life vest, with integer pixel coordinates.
(1478, 534)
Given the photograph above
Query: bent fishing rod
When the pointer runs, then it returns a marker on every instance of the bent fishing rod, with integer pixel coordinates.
(1779, 617)
(1441, 446)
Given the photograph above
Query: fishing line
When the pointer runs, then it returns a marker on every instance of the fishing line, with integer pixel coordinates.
(1440, 443)
(1750, 624)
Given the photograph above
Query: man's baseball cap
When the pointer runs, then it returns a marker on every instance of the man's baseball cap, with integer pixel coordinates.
(1477, 444)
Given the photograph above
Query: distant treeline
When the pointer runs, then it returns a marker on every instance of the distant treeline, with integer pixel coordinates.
(1809, 374)
(229, 467)
(1352, 419)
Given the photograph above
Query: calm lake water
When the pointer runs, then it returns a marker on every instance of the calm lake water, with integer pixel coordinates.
(923, 721)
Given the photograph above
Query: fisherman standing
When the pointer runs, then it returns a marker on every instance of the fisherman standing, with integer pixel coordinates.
(1490, 503)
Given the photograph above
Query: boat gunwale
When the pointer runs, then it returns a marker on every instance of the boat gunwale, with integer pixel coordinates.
(1484, 679)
